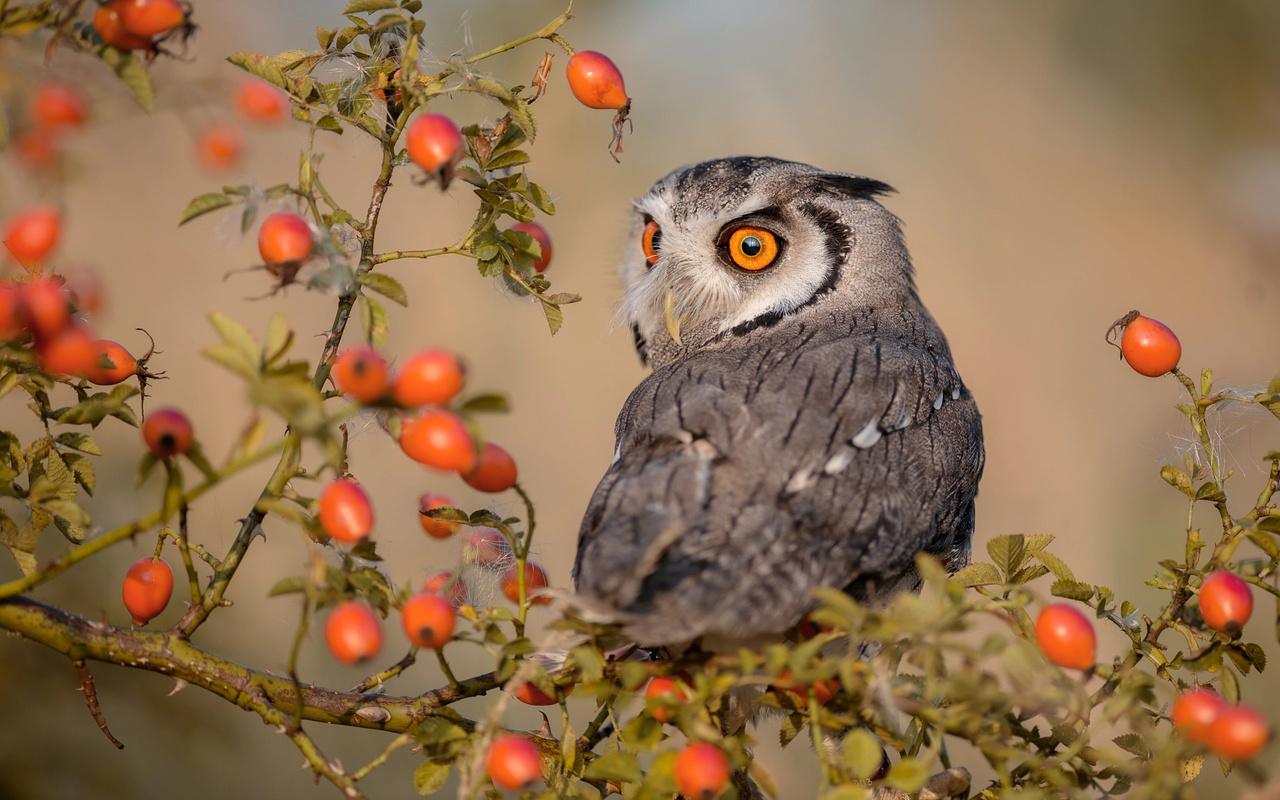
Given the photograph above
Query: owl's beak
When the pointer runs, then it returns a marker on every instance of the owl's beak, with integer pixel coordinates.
(671, 316)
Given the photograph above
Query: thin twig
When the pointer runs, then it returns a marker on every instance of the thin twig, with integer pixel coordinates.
(91, 700)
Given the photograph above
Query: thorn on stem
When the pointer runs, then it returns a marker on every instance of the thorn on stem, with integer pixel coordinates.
(91, 700)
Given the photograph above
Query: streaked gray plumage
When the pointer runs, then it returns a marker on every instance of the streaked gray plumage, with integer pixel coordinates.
(804, 425)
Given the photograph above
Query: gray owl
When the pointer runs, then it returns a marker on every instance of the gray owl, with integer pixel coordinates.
(804, 425)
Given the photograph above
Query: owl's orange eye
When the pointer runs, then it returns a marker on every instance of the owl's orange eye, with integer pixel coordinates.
(651, 240)
(752, 248)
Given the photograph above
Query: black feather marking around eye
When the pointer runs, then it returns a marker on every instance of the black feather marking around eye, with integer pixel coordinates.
(642, 346)
(838, 241)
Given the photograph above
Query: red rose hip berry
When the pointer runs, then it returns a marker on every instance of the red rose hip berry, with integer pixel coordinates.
(701, 771)
(513, 762)
(283, 237)
(433, 142)
(1065, 637)
(428, 620)
(595, 81)
(1226, 602)
(353, 632)
(147, 587)
(535, 578)
(444, 584)
(107, 24)
(440, 440)
(345, 512)
(431, 377)
(1194, 711)
(167, 432)
(1147, 344)
(435, 528)
(494, 472)
(150, 17)
(1239, 733)
(663, 692)
(361, 373)
(58, 105)
(260, 102)
(32, 234)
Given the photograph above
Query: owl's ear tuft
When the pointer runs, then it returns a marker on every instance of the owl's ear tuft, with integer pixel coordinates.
(853, 186)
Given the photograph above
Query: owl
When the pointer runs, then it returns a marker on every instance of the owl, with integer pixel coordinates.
(804, 425)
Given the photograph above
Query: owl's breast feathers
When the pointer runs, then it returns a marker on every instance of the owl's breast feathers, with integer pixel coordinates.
(793, 458)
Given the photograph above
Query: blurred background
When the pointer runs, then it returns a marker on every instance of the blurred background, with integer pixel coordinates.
(1058, 164)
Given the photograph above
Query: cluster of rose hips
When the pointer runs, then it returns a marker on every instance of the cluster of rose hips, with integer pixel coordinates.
(1238, 732)
(54, 109)
(141, 24)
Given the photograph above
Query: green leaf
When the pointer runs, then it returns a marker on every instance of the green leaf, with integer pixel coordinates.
(1177, 479)
(618, 766)
(485, 404)
(555, 317)
(907, 775)
(263, 67)
(430, 776)
(79, 441)
(324, 37)
(329, 123)
(203, 205)
(295, 399)
(513, 158)
(236, 335)
(293, 585)
(1056, 565)
(233, 359)
(1008, 552)
(374, 321)
(862, 753)
(1072, 590)
(1264, 542)
(1133, 743)
(68, 510)
(539, 197)
(1230, 686)
(522, 116)
(386, 286)
(279, 338)
(83, 469)
(1211, 492)
(133, 72)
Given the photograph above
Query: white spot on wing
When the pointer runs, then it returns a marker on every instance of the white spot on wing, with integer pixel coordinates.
(800, 481)
(838, 462)
(937, 404)
(955, 392)
(867, 436)
(903, 419)
(617, 454)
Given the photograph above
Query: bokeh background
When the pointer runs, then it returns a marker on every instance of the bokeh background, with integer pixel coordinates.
(1058, 164)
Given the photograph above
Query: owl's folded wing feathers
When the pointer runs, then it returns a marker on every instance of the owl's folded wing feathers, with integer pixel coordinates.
(743, 479)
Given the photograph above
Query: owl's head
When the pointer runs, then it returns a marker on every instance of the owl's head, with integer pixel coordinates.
(721, 248)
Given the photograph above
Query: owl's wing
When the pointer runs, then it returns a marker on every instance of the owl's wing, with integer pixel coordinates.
(745, 478)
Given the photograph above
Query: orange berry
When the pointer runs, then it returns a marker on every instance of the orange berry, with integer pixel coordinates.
(513, 762)
(69, 352)
(1194, 711)
(167, 432)
(261, 102)
(112, 364)
(218, 147)
(283, 237)
(533, 696)
(37, 150)
(1065, 637)
(1239, 733)
(1150, 347)
(32, 234)
(822, 690)
(543, 239)
(438, 439)
(353, 632)
(1226, 602)
(58, 105)
(361, 373)
(435, 528)
(47, 306)
(535, 578)
(701, 771)
(454, 590)
(12, 315)
(106, 22)
(147, 587)
(151, 17)
(663, 692)
(433, 142)
(488, 548)
(345, 512)
(595, 81)
(494, 472)
(428, 620)
(431, 377)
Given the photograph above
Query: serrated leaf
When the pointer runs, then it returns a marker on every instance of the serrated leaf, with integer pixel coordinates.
(203, 204)
(235, 334)
(329, 123)
(83, 470)
(1133, 743)
(1211, 492)
(263, 67)
(513, 158)
(133, 73)
(374, 321)
(324, 37)
(539, 197)
(386, 286)
(79, 441)
(555, 317)
(68, 510)
(1056, 565)
(1007, 552)
(617, 766)
(1072, 590)
(1230, 686)
(978, 574)
(1177, 479)
(295, 399)
(564, 298)
(1190, 768)
(522, 116)
(430, 776)
(862, 753)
